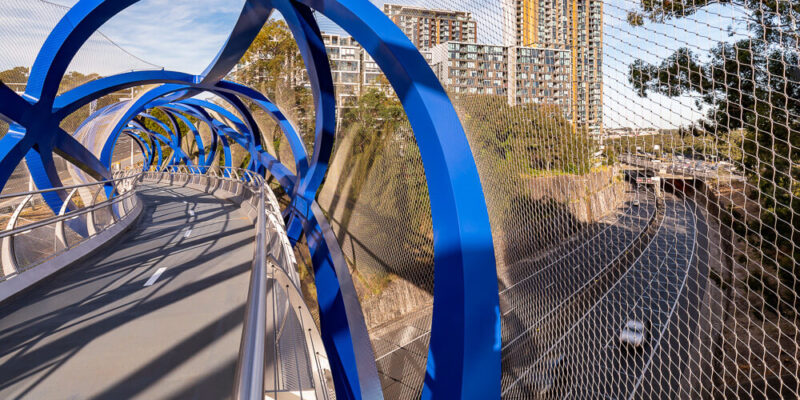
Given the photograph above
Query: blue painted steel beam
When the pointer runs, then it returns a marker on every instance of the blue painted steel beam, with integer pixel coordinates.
(178, 155)
(292, 137)
(15, 108)
(13, 147)
(147, 154)
(177, 137)
(464, 354)
(84, 94)
(156, 151)
(253, 16)
(177, 152)
(36, 141)
(198, 139)
(304, 27)
(205, 118)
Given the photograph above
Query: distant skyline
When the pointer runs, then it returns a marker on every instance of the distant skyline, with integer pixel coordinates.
(186, 34)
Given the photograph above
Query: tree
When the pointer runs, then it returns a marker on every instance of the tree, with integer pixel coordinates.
(373, 119)
(17, 77)
(273, 65)
(535, 136)
(373, 115)
(751, 88)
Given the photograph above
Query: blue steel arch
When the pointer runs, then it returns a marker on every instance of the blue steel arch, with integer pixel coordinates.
(147, 154)
(82, 95)
(198, 139)
(166, 94)
(464, 357)
(172, 140)
(177, 153)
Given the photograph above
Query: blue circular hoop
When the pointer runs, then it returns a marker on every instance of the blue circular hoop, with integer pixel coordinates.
(464, 354)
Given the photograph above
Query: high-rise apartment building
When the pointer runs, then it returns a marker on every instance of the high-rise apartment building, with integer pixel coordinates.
(469, 68)
(523, 74)
(344, 55)
(539, 75)
(428, 27)
(573, 25)
(352, 68)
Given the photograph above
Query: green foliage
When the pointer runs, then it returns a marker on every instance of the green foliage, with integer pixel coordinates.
(372, 120)
(272, 57)
(153, 126)
(274, 66)
(635, 19)
(751, 89)
(533, 138)
(382, 175)
(245, 161)
(15, 76)
(373, 116)
(767, 19)
(726, 146)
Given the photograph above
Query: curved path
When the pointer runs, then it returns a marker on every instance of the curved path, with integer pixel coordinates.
(158, 315)
(661, 287)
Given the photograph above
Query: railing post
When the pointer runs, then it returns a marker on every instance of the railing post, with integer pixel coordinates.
(90, 225)
(61, 233)
(7, 250)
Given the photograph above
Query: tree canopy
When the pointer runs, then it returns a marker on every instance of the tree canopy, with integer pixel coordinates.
(752, 85)
(273, 65)
(535, 137)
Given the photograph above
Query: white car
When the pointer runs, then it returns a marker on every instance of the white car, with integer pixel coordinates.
(633, 333)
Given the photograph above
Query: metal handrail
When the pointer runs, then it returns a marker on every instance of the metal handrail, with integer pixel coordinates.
(266, 266)
(8, 257)
(35, 192)
(249, 383)
(66, 216)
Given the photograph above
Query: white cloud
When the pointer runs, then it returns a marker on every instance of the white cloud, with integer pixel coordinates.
(185, 35)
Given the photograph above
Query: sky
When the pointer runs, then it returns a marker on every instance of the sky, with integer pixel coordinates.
(185, 35)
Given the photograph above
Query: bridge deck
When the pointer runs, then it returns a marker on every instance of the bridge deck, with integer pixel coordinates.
(97, 331)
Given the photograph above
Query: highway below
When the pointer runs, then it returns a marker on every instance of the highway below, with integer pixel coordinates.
(579, 355)
(541, 295)
(157, 315)
(541, 307)
(562, 312)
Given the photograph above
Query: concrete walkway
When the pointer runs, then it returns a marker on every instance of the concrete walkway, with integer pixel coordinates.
(157, 316)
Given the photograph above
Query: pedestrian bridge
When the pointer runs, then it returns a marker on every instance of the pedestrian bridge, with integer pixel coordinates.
(337, 203)
(185, 282)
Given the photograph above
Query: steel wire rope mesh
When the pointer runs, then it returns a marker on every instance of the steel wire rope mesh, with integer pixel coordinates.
(274, 66)
(24, 28)
(640, 165)
(375, 192)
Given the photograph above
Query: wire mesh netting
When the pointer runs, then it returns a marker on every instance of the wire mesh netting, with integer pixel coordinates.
(639, 161)
(640, 165)
(26, 25)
